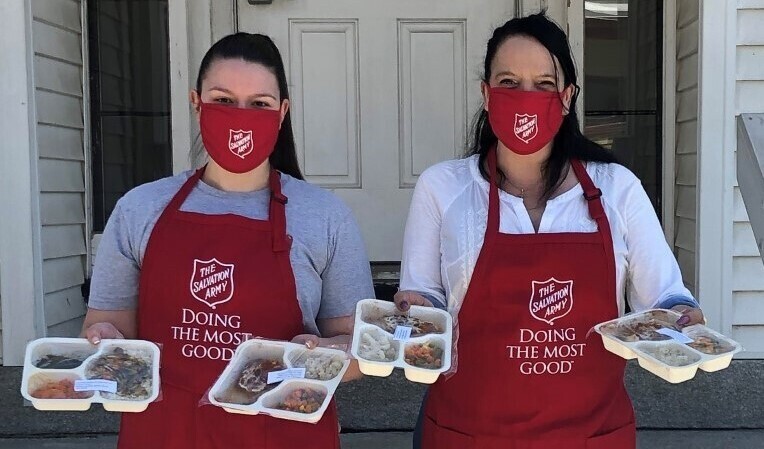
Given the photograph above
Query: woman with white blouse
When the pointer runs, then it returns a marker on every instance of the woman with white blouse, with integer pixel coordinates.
(529, 241)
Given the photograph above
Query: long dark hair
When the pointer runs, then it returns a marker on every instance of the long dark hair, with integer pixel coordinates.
(259, 49)
(569, 143)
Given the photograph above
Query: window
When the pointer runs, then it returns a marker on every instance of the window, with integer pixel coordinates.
(623, 54)
(130, 98)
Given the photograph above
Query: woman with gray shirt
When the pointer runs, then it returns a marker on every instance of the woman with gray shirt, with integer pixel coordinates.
(241, 248)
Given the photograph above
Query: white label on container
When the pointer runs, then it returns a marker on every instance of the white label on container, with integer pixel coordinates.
(678, 336)
(402, 333)
(291, 373)
(107, 386)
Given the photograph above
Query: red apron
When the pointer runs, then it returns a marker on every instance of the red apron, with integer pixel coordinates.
(527, 376)
(209, 282)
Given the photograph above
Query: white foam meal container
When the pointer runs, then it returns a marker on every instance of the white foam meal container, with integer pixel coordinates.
(369, 332)
(34, 378)
(290, 355)
(634, 337)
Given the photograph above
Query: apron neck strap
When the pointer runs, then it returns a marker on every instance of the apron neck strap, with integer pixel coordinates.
(184, 191)
(493, 193)
(277, 213)
(591, 193)
(276, 208)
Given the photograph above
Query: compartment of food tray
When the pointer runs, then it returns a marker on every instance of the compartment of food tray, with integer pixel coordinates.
(425, 355)
(376, 345)
(305, 398)
(55, 386)
(61, 355)
(671, 361)
(247, 380)
(128, 364)
(319, 364)
(421, 320)
(708, 342)
(643, 327)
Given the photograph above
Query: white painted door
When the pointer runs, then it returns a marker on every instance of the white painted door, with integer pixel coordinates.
(380, 90)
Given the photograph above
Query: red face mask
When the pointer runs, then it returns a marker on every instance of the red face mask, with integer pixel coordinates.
(238, 139)
(524, 121)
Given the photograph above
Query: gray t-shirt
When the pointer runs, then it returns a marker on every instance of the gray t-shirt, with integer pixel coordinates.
(328, 257)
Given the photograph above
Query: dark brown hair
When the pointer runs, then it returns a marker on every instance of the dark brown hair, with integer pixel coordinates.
(259, 49)
(569, 143)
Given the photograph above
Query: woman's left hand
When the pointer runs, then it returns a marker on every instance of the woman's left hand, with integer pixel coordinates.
(690, 315)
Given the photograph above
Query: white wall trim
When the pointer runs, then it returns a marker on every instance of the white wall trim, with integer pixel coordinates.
(194, 25)
(224, 19)
(576, 17)
(668, 177)
(716, 142)
(179, 84)
(86, 131)
(730, 171)
(20, 260)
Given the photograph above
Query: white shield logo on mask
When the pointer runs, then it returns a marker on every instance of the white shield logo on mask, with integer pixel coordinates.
(240, 142)
(526, 127)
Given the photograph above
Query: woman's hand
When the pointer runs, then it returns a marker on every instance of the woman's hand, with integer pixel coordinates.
(99, 331)
(406, 298)
(310, 341)
(690, 315)
(100, 324)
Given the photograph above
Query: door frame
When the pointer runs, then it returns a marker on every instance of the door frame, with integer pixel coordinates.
(193, 26)
(717, 144)
(21, 288)
(575, 24)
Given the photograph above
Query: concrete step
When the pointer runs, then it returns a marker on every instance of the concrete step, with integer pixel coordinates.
(671, 439)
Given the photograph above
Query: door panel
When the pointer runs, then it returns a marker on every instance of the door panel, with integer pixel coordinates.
(380, 91)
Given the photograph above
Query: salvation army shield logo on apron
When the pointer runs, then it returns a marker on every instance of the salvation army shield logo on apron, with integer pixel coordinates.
(212, 282)
(240, 142)
(551, 300)
(526, 127)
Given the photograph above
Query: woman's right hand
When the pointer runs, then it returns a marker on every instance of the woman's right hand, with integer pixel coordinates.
(406, 298)
(99, 331)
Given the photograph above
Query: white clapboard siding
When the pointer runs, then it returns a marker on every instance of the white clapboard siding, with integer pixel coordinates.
(686, 150)
(58, 78)
(744, 242)
(740, 214)
(750, 4)
(67, 328)
(749, 29)
(62, 209)
(55, 142)
(686, 260)
(748, 268)
(59, 13)
(61, 175)
(750, 338)
(62, 241)
(63, 306)
(56, 42)
(749, 95)
(52, 75)
(749, 66)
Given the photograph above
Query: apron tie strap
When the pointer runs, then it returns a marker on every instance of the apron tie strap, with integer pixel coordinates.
(277, 214)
